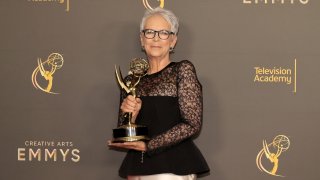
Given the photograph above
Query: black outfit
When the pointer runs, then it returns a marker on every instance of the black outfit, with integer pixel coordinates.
(172, 111)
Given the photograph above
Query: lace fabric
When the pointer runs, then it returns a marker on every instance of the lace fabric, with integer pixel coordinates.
(178, 79)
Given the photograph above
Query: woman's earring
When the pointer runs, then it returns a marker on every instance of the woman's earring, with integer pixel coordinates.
(143, 49)
(171, 50)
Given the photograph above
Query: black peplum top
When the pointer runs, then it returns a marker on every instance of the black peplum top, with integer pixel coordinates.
(172, 111)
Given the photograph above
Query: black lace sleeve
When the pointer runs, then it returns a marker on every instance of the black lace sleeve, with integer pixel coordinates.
(190, 103)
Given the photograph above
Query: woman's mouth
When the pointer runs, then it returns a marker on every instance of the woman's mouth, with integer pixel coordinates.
(155, 46)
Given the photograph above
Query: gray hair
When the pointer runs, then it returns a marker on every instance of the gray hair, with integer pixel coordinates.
(166, 14)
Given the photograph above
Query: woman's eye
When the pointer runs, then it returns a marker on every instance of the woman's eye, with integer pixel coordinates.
(149, 32)
(164, 32)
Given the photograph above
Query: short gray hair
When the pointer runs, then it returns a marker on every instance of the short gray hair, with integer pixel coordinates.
(166, 14)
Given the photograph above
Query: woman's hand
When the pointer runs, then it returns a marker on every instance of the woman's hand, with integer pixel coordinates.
(136, 145)
(131, 104)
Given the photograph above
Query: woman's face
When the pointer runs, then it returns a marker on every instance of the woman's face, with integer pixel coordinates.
(156, 47)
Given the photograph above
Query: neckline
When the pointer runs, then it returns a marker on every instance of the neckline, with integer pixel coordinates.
(168, 65)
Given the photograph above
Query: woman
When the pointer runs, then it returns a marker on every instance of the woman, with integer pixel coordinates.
(170, 105)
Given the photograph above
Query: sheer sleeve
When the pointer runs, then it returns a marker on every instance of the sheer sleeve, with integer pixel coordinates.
(189, 92)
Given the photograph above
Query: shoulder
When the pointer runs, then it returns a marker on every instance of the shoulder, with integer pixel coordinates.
(187, 72)
(185, 65)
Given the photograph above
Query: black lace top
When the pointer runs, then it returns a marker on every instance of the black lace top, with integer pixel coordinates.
(172, 111)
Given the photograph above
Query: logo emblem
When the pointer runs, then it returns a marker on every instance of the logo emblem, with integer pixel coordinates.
(47, 70)
(277, 75)
(148, 6)
(272, 152)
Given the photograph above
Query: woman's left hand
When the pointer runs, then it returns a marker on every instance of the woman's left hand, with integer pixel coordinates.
(136, 145)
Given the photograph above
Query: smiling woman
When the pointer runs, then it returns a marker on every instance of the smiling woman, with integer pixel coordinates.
(169, 103)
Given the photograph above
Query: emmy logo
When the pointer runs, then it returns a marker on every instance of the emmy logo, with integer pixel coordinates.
(47, 70)
(280, 143)
(148, 6)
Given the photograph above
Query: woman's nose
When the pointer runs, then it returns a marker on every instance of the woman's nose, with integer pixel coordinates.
(156, 37)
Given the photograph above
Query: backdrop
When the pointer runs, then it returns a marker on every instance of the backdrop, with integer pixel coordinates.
(258, 62)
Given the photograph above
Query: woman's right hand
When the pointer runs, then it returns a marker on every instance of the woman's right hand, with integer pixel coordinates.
(131, 104)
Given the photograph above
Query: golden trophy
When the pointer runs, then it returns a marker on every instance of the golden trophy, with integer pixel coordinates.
(131, 131)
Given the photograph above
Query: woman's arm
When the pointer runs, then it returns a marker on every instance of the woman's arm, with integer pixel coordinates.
(190, 104)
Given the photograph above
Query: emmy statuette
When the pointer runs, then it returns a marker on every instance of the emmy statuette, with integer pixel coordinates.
(131, 132)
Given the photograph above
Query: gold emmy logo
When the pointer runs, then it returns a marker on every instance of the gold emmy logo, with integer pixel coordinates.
(47, 70)
(148, 6)
(280, 143)
(54, 1)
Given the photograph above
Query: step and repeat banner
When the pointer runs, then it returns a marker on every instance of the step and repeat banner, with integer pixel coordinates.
(258, 62)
